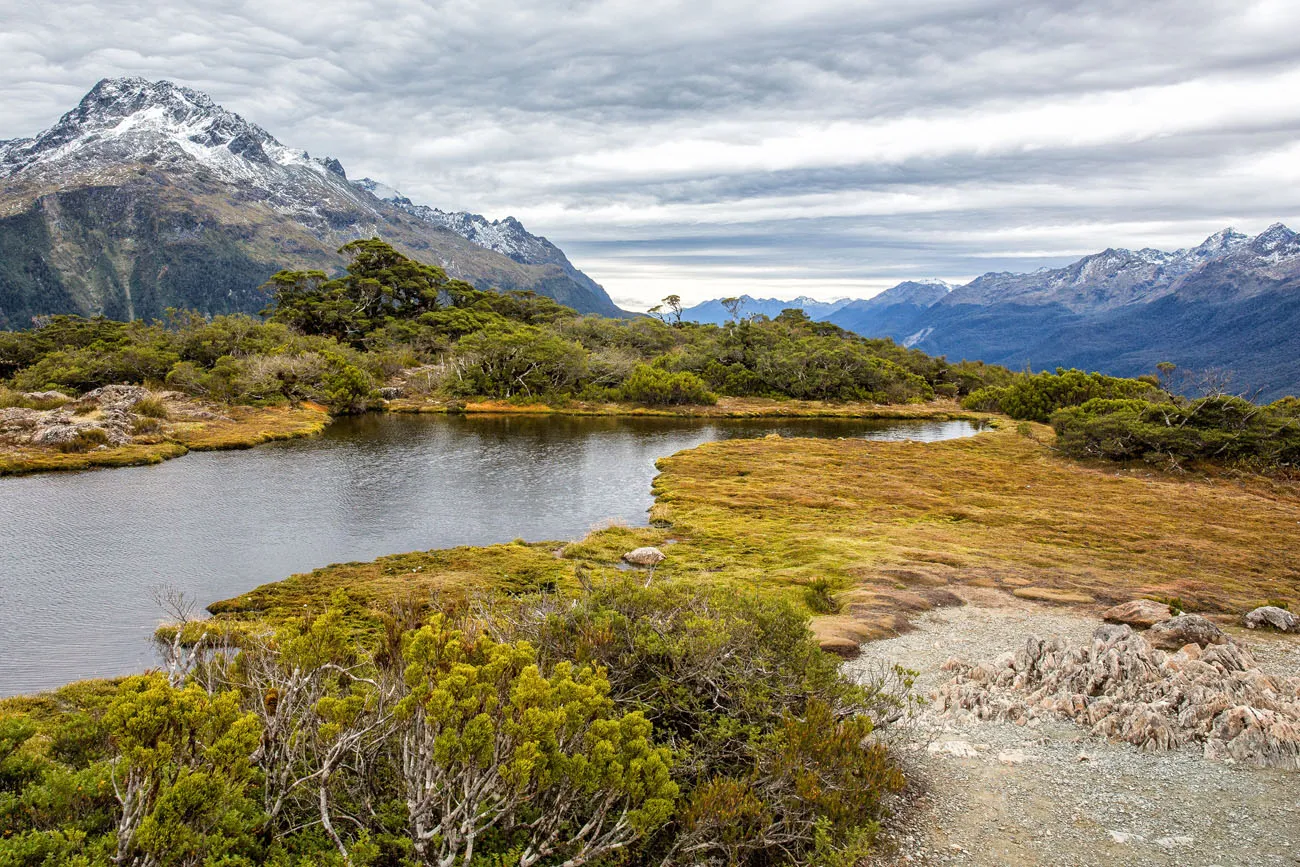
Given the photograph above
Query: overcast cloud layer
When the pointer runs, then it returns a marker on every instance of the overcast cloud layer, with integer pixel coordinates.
(821, 147)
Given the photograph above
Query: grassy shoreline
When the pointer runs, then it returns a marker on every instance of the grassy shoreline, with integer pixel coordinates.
(726, 407)
(237, 427)
(243, 427)
(883, 533)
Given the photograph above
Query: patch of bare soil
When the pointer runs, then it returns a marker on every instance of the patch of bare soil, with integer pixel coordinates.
(1047, 792)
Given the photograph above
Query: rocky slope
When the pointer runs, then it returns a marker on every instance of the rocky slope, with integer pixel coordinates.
(148, 195)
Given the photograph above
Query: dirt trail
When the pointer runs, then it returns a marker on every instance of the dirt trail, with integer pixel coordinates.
(997, 793)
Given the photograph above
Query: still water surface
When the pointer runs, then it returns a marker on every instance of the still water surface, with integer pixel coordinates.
(80, 553)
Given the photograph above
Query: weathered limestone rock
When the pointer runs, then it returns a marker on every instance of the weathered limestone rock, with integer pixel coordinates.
(1140, 613)
(1122, 687)
(645, 557)
(1271, 616)
(1185, 629)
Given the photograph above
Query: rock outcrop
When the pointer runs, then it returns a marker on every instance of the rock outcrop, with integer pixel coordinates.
(1185, 629)
(1270, 616)
(103, 417)
(1140, 613)
(1122, 687)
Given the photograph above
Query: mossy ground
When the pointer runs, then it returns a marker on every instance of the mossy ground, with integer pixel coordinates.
(888, 525)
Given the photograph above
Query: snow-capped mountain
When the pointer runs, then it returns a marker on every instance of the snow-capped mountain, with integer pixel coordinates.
(149, 193)
(1231, 303)
(1114, 278)
(713, 312)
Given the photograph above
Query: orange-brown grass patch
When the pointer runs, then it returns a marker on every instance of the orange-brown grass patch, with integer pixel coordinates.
(417, 578)
(18, 460)
(997, 510)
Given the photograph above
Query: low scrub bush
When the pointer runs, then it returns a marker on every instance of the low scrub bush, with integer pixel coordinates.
(1223, 429)
(629, 725)
(1034, 397)
(655, 386)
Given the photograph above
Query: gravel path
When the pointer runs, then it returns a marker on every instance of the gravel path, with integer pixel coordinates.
(997, 793)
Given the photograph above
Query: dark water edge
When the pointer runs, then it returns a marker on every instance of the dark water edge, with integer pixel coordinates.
(81, 553)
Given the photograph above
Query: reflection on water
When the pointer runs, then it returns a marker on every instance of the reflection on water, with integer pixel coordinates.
(81, 552)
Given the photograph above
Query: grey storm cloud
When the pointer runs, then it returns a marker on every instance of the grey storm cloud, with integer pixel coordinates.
(824, 147)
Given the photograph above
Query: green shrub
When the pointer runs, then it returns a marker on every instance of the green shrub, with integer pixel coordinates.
(1035, 397)
(820, 597)
(655, 386)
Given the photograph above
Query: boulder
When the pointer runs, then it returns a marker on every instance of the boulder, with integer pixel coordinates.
(117, 396)
(1271, 616)
(1175, 632)
(1140, 613)
(644, 557)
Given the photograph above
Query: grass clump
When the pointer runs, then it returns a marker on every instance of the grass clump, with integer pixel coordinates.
(84, 440)
(150, 407)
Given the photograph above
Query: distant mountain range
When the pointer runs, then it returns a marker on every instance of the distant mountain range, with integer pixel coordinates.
(1230, 304)
(148, 195)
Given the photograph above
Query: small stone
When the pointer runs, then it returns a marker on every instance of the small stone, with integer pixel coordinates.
(645, 557)
(956, 749)
(1174, 842)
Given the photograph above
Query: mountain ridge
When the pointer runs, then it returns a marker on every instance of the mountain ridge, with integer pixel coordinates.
(1231, 302)
(149, 194)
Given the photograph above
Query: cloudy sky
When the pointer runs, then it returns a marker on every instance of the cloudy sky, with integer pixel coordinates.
(822, 147)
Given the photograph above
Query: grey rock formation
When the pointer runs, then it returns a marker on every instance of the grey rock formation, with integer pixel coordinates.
(1119, 686)
(1185, 629)
(1270, 616)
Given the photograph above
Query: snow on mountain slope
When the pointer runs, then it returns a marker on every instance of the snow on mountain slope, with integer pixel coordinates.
(1117, 277)
(153, 169)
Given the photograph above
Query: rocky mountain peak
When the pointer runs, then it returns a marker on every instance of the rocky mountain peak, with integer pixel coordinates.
(210, 181)
(1272, 239)
(129, 119)
(1221, 242)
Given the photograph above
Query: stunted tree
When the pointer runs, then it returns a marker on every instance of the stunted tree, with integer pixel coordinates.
(733, 306)
(668, 311)
(379, 283)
